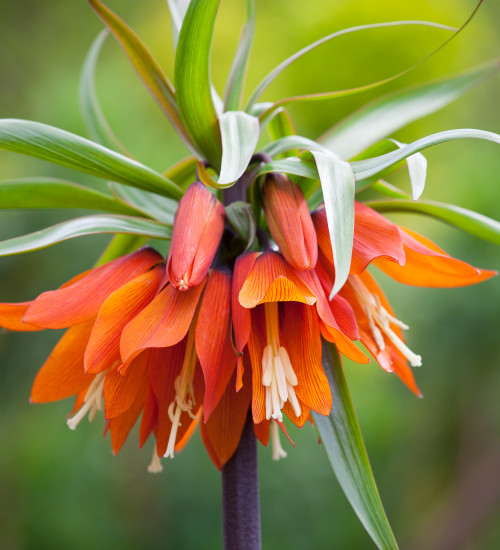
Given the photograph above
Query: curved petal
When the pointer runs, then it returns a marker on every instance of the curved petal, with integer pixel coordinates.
(119, 308)
(11, 316)
(213, 338)
(62, 375)
(79, 302)
(428, 265)
(149, 418)
(256, 344)
(162, 323)
(271, 279)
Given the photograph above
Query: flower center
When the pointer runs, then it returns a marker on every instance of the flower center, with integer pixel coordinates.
(278, 375)
(184, 392)
(92, 401)
(380, 321)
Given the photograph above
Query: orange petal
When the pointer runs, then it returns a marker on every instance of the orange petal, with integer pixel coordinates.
(120, 392)
(11, 316)
(149, 416)
(62, 375)
(289, 221)
(225, 425)
(79, 302)
(299, 421)
(256, 344)
(428, 265)
(198, 227)
(271, 279)
(261, 432)
(241, 315)
(213, 338)
(208, 446)
(117, 310)
(162, 323)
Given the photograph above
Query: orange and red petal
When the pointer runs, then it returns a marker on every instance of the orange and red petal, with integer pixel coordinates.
(79, 302)
(162, 323)
(213, 338)
(118, 309)
(62, 375)
(256, 344)
(428, 265)
(11, 317)
(271, 279)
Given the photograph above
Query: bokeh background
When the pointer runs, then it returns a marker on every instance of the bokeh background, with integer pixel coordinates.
(436, 460)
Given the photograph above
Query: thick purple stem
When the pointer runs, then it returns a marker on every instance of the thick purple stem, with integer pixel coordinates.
(240, 495)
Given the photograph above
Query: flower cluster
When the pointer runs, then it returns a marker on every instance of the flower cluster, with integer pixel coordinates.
(202, 339)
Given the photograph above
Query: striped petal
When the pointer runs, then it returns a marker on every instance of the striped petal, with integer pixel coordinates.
(118, 309)
(256, 344)
(213, 338)
(79, 302)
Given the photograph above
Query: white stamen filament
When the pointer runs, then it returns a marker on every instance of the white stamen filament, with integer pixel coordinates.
(278, 376)
(92, 401)
(155, 467)
(278, 451)
(379, 320)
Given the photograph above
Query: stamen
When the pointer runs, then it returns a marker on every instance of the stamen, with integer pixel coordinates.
(155, 467)
(278, 451)
(92, 401)
(379, 321)
(278, 376)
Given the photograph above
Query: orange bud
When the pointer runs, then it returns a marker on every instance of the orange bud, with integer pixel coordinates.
(196, 234)
(289, 221)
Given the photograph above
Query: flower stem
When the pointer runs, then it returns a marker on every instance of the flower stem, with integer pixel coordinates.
(240, 495)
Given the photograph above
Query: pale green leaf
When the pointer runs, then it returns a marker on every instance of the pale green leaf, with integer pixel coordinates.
(61, 147)
(417, 169)
(79, 227)
(344, 446)
(384, 116)
(337, 184)
(155, 206)
(281, 125)
(466, 220)
(192, 79)
(178, 9)
(56, 193)
(183, 172)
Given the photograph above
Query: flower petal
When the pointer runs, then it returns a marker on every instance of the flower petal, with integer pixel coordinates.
(71, 305)
(428, 265)
(149, 415)
(119, 308)
(213, 338)
(256, 344)
(62, 375)
(11, 316)
(162, 323)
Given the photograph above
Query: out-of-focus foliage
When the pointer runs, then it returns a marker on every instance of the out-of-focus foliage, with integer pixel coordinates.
(436, 460)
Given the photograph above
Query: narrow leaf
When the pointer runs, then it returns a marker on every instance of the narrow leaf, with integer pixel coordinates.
(236, 80)
(292, 165)
(78, 227)
(466, 220)
(241, 218)
(343, 442)
(146, 66)
(56, 193)
(337, 184)
(385, 188)
(178, 9)
(155, 206)
(292, 142)
(417, 169)
(384, 116)
(93, 117)
(120, 244)
(281, 125)
(61, 147)
(183, 172)
(192, 79)
(364, 169)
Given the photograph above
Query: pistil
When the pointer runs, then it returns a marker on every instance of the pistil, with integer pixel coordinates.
(278, 451)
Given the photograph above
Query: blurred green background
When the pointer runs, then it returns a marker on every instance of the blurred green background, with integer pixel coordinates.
(436, 460)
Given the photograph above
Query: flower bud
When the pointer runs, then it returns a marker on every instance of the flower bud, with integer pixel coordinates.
(289, 221)
(198, 227)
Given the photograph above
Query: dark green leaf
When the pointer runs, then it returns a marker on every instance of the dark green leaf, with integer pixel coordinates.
(464, 219)
(78, 227)
(192, 79)
(61, 147)
(343, 442)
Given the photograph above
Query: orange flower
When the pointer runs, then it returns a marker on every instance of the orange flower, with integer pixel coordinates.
(406, 257)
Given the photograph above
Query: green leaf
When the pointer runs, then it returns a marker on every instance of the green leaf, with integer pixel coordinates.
(343, 442)
(292, 142)
(93, 117)
(178, 9)
(389, 190)
(281, 125)
(386, 115)
(120, 244)
(290, 60)
(155, 206)
(78, 227)
(146, 66)
(192, 79)
(364, 169)
(291, 165)
(61, 147)
(56, 193)
(467, 220)
(337, 184)
(236, 79)
(417, 170)
(183, 172)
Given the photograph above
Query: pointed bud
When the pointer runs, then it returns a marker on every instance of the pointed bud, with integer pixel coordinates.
(197, 231)
(289, 221)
